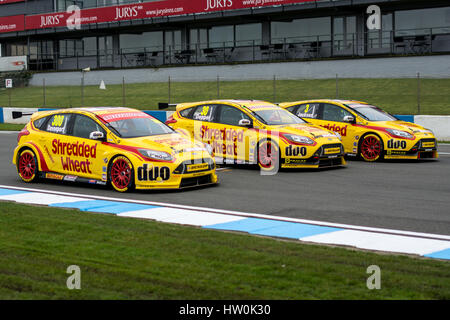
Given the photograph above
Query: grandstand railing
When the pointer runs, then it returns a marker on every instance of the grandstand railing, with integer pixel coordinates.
(374, 43)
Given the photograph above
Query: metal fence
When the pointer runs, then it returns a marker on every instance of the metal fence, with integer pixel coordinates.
(413, 95)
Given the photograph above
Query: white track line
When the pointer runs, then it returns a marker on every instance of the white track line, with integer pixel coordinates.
(244, 214)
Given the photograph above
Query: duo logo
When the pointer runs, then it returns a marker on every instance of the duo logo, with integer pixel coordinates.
(396, 144)
(295, 151)
(153, 173)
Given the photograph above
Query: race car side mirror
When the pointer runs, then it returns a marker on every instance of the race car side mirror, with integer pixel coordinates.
(245, 123)
(349, 119)
(97, 135)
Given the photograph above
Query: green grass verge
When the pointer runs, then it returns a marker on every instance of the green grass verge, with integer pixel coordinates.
(11, 127)
(399, 96)
(122, 258)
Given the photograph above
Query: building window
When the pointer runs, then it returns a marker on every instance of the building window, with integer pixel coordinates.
(222, 36)
(173, 40)
(248, 34)
(381, 39)
(71, 48)
(344, 33)
(198, 37)
(423, 21)
(90, 46)
(301, 30)
(147, 41)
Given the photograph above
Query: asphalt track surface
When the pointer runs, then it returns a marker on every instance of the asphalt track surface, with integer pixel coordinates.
(401, 195)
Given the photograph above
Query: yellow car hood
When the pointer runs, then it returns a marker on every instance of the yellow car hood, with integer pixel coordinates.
(306, 130)
(171, 143)
(402, 125)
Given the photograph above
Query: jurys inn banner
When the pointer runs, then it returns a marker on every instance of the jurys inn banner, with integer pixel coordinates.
(163, 8)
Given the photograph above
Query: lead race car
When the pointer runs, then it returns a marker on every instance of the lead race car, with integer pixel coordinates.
(258, 132)
(367, 131)
(124, 147)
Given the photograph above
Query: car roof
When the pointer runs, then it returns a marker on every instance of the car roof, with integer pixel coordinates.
(100, 111)
(333, 100)
(242, 103)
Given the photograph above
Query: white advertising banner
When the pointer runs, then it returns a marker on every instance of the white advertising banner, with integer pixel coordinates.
(17, 63)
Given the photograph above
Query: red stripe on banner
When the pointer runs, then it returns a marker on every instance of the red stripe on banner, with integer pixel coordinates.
(147, 10)
(10, 1)
(12, 23)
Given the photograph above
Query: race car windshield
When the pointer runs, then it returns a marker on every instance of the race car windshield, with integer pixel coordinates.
(274, 117)
(139, 127)
(373, 113)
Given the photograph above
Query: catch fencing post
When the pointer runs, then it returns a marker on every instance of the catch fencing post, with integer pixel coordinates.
(9, 97)
(274, 89)
(169, 89)
(218, 87)
(123, 92)
(82, 90)
(337, 86)
(43, 88)
(418, 92)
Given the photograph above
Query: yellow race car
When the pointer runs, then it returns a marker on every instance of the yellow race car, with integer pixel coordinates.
(124, 147)
(367, 131)
(250, 132)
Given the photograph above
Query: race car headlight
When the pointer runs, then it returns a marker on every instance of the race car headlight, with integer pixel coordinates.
(337, 134)
(157, 155)
(208, 148)
(400, 134)
(299, 139)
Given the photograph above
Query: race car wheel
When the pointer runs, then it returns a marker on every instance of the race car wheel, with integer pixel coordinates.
(371, 148)
(268, 155)
(27, 166)
(121, 174)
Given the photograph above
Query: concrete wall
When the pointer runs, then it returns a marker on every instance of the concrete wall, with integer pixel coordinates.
(395, 67)
(439, 124)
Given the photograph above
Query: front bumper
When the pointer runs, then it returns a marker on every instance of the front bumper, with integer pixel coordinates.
(188, 174)
(423, 149)
(322, 158)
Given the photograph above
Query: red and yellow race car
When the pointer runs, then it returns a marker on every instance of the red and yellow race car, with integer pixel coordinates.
(124, 147)
(366, 130)
(257, 132)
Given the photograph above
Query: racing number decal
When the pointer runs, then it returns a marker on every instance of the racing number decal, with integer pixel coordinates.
(205, 111)
(58, 120)
(307, 109)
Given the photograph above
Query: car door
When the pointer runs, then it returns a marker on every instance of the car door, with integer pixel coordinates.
(54, 141)
(235, 137)
(85, 157)
(204, 128)
(332, 117)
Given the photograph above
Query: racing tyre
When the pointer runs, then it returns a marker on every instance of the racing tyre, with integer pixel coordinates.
(371, 148)
(268, 155)
(121, 175)
(27, 166)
